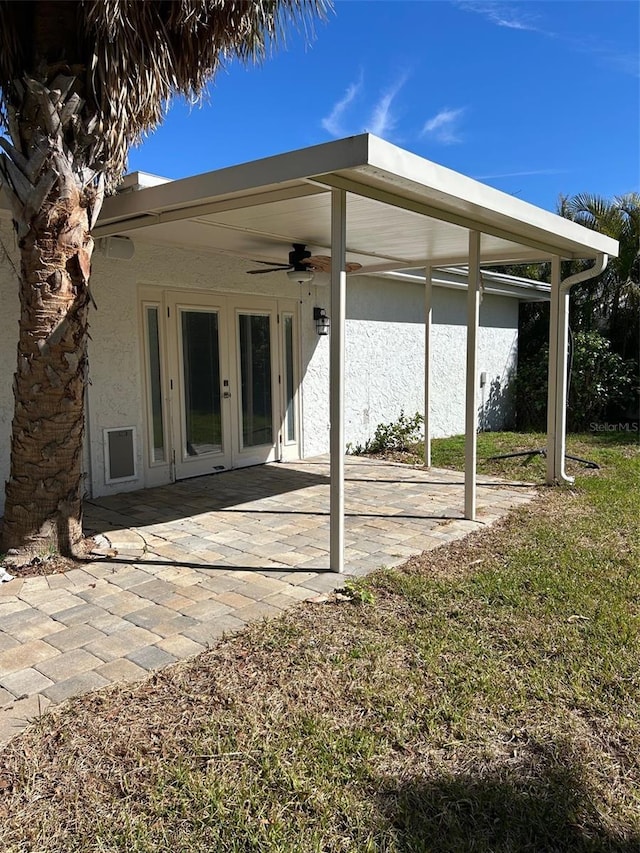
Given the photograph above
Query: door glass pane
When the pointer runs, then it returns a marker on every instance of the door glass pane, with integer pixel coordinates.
(255, 373)
(155, 388)
(290, 416)
(200, 353)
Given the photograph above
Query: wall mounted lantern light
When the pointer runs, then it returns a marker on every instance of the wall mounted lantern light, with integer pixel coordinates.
(322, 321)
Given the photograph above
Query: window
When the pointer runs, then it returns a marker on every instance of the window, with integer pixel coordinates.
(154, 379)
(289, 380)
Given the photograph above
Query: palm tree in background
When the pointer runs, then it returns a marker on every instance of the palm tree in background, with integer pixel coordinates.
(605, 309)
(612, 302)
(80, 83)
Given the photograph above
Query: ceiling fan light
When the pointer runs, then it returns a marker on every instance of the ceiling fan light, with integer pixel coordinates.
(301, 276)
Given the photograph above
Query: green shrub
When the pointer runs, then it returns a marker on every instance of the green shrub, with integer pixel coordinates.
(402, 434)
(531, 382)
(601, 382)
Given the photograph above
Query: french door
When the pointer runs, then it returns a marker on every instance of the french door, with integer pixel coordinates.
(198, 381)
(230, 383)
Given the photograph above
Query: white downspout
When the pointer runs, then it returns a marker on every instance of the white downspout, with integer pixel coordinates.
(558, 345)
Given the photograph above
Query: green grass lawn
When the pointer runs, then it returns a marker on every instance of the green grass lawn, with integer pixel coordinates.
(449, 453)
(486, 698)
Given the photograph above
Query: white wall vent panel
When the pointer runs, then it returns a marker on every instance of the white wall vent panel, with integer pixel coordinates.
(120, 454)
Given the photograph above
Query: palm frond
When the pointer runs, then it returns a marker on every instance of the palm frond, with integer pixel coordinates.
(594, 212)
(131, 56)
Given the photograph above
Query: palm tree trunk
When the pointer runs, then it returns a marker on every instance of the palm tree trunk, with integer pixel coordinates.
(43, 496)
(54, 206)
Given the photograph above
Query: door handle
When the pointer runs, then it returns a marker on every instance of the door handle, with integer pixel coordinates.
(226, 395)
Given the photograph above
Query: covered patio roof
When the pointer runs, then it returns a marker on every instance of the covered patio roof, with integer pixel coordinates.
(362, 199)
(403, 211)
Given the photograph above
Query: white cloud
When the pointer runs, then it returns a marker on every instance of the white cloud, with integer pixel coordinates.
(512, 17)
(503, 16)
(521, 174)
(333, 122)
(627, 63)
(382, 120)
(444, 126)
(606, 54)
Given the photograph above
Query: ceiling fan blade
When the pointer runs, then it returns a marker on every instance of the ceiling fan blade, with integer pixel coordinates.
(262, 272)
(268, 263)
(322, 263)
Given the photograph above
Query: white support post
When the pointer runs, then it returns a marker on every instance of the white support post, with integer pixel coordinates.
(336, 378)
(471, 410)
(557, 392)
(428, 297)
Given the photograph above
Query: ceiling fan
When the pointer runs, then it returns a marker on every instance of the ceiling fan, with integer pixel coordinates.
(301, 260)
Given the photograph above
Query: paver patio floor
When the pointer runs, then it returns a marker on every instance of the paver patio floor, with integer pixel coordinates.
(200, 558)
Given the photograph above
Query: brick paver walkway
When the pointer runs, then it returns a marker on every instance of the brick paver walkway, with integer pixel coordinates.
(200, 558)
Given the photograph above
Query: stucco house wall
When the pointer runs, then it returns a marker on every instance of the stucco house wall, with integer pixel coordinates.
(384, 361)
(384, 348)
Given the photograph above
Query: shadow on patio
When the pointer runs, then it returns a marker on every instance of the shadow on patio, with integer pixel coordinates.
(275, 517)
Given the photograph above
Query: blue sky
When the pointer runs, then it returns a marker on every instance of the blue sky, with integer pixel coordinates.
(534, 98)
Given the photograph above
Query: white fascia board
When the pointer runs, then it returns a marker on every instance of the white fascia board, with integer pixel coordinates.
(140, 181)
(465, 195)
(497, 284)
(258, 176)
(494, 281)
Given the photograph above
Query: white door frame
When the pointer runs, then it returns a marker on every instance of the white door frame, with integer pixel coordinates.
(229, 306)
(186, 464)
